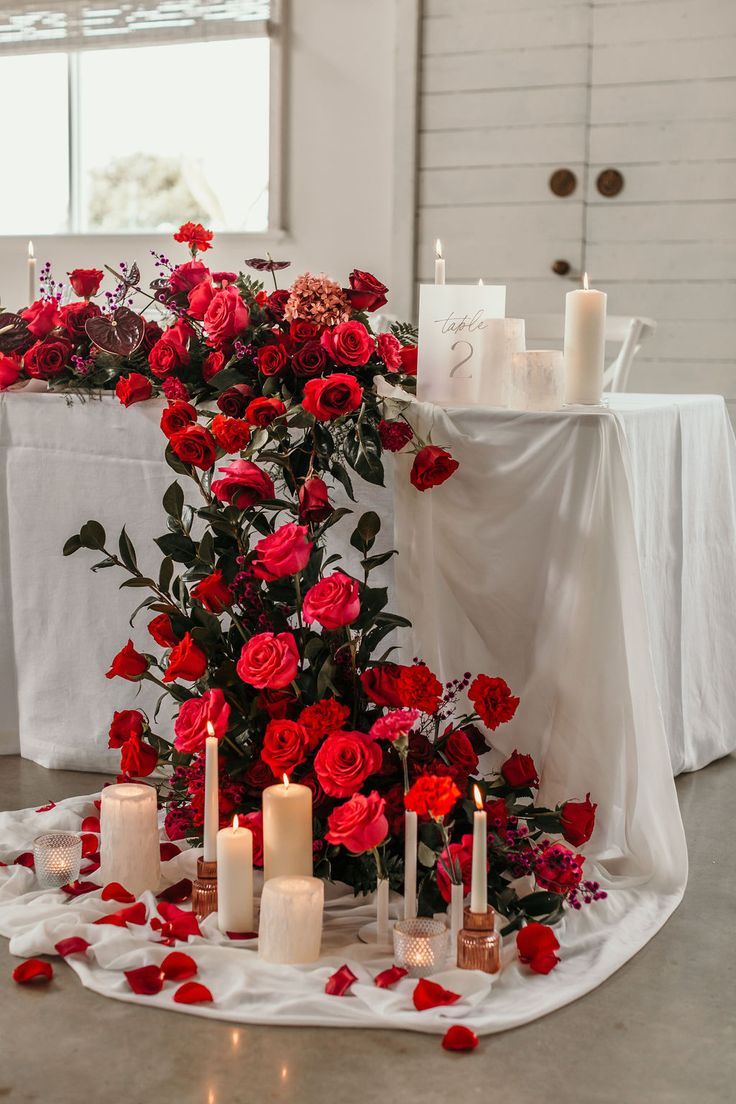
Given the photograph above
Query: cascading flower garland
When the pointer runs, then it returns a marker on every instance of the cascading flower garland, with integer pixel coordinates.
(260, 637)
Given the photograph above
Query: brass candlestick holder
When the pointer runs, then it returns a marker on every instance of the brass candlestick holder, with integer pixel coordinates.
(204, 889)
(478, 944)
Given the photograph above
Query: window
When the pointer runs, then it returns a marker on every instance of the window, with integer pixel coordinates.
(141, 134)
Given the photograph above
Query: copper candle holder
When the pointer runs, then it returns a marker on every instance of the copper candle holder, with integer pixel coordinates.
(478, 944)
(204, 889)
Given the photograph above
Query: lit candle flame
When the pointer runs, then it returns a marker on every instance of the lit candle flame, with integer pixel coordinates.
(210, 728)
(31, 254)
(438, 249)
(235, 823)
(286, 780)
(477, 798)
(480, 282)
(585, 281)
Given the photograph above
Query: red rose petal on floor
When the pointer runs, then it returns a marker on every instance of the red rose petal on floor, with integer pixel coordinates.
(91, 824)
(26, 859)
(242, 935)
(90, 868)
(536, 945)
(389, 977)
(178, 966)
(191, 992)
(169, 851)
(340, 982)
(33, 969)
(90, 844)
(182, 924)
(47, 808)
(179, 891)
(135, 914)
(114, 891)
(146, 981)
(78, 889)
(73, 945)
(459, 1038)
(428, 994)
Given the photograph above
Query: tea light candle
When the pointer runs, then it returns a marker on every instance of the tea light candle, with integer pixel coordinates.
(31, 274)
(290, 929)
(410, 864)
(421, 946)
(439, 263)
(211, 795)
(585, 344)
(57, 858)
(235, 879)
(479, 881)
(129, 843)
(287, 830)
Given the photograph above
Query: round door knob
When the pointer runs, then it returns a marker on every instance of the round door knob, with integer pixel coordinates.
(563, 182)
(561, 268)
(609, 183)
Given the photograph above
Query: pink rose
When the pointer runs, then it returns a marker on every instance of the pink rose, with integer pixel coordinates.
(359, 824)
(348, 343)
(269, 661)
(190, 727)
(333, 601)
(187, 276)
(394, 725)
(344, 762)
(284, 552)
(243, 485)
(226, 316)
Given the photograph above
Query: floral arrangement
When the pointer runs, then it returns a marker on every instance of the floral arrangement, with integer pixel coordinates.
(260, 638)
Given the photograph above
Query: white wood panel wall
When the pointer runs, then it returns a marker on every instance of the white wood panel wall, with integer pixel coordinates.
(513, 89)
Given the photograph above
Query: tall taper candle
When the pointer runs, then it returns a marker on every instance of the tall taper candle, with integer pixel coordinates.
(479, 882)
(585, 344)
(439, 263)
(287, 830)
(211, 796)
(31, 274)
(235, 879)
(410, 865)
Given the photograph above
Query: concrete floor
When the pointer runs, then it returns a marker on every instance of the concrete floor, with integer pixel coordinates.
(661, 1031)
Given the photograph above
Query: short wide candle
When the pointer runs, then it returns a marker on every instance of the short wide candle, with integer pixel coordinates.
(287, 830)
(290, 929)
(235, 879)
(129, 843)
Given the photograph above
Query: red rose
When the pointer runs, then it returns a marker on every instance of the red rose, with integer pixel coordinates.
(389, 350)
(284, 552)
(497, 814)
(271, 359)
(127, 724)
(269, 660)
(227, 315)
(558, 869)
(188, 275)
(578, 821)
(314, 503)
(162, 631)
(138, 759)
(86, 281)
(493, 701)
(349, 343)
(309, 360)
(330, 398)
(186, 661)
(366, 293)
(458, 752)
(199, 299)
(213, 363)
(359, 824)
(177, 416)
(151, 335)
(243, 485)
(128, 664)
(167, 355)
(257, 776)
(234, 401)
(419, 689)
(74, 317)
(47, 359)
(276, 303)
(195, 445)
(263, 411)
(322, 718)
(195, 236)
(41, 317)
(190, 727)
(460, 858)
(278, 704)
(394, 435)
(301, 331)
(133, 388)
(213, 592)
(519, 771)
(254, 821)
(344, 762)
(381, 684)
(332, 602)
(536, 945)
(231, 434)
(432, 795)
(409, 359)
(432, 466)
(285, 746)
(9, 371)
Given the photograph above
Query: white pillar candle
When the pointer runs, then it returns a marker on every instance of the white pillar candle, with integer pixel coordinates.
(410, 865)
(129, 842)
(537, 380)
(290, 928)
(382, 894)
(211, 795)
(31, 274)
(287, 830)
(585, 344)
(479, 880)
(439, 263)
(235, 879)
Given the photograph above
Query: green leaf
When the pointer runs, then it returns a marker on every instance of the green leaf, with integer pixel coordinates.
(165, 573)
(127, 551)
(366, 531)
(72, 545)
(540, 903)
(340, 474)
(375, 561)
(362, 450)
(206, 550)
(173, 500)
(92, 535)
(138, 581)
(181, 549)
(426, 855)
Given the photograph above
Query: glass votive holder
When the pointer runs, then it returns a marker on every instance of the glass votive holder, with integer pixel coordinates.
(537, 380)
(57, 857)
(421, 946)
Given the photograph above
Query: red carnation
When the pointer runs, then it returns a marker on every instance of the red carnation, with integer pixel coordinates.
(231, 434)
(578, 821)
(196, 237)
(432, 795)
(493, 701)
(419, 689)
(536, 945)
(519, 771)
(432, 466)
(322, 718)
(394, 435)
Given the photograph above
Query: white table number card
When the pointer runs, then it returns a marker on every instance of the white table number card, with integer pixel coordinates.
(453, 345)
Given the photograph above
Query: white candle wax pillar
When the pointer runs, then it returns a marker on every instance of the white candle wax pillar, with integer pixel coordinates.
(211, 796)
(287, 830)
(479, 879)
(439, 263)
(290, 927)
(129, 842)
(31, 274)
(235, 879)
(585, 344)
(410, 865)
(382, 892)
